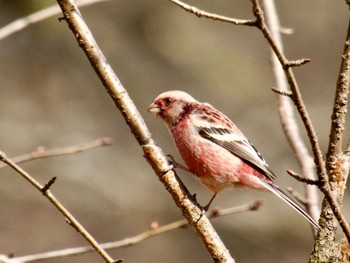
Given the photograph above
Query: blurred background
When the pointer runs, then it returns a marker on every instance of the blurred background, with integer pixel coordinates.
(50, 96)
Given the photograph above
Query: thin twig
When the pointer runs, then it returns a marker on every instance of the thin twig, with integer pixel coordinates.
(130, 241)
(302, 179)
(72, 221)
(297, 99)
(200, 13)
(26, 21)
(48, 185)
(299, 62)
(154, 155)
(286, 93)
(287, 116)
(42, 152)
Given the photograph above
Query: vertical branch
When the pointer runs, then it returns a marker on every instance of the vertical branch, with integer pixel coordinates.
(286, 112)
(299, 103)
(152, 152)
(340, 103)
(296, 96)
(337, 162)
(337, 165)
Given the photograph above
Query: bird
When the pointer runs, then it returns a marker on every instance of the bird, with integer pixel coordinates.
(214, 149)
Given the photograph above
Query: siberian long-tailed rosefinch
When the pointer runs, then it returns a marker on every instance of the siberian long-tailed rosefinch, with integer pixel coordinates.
(214, 149)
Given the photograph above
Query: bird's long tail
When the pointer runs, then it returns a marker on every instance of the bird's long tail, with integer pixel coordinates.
(283, 196)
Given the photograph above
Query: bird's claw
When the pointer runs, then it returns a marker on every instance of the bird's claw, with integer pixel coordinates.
(175, 164)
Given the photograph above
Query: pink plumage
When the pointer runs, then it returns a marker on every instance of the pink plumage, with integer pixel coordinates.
(214, 149)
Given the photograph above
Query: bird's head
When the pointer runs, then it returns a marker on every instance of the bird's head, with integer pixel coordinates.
(171, 105)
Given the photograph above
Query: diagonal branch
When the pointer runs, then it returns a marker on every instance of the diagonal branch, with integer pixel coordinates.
(26, 21)
(156, 158)
(68, 216)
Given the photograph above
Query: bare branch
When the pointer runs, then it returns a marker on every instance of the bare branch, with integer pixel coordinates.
(8, 259)
(46, 192)
(340, 103)
(299, 62)
(156, 158)
(43, 14)
(286, 93)
(334, 186)
(217, 212)
(302, 179)
(201, 13)
(287, 116)
(130, 241)
(42, 152)
(297, 99)
(48, 185)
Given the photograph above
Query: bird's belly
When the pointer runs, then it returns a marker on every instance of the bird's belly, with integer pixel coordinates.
(214, 166)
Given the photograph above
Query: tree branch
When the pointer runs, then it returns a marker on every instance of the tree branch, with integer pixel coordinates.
(298, 101)
(340, 103)
(130, 241)
(201, 13)
(302, 179)
(42, 152)
(338, 169)
(67, 215)
(287, 116)
(43, 14)
(152, 152)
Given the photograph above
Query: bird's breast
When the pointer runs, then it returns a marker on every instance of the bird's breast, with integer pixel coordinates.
(214, 166)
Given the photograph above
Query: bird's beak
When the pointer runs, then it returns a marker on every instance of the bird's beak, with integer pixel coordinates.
(154, 108)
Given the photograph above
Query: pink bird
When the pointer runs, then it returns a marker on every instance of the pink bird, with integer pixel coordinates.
(214, 149)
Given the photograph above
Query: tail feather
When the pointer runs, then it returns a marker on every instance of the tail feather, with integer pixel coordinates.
(283, 196)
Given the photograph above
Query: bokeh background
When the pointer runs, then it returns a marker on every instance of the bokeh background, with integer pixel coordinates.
(50, 96)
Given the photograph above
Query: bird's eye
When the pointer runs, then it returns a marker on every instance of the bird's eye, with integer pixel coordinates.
(167, 101)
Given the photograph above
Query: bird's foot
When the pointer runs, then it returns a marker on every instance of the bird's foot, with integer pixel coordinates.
(175, 164)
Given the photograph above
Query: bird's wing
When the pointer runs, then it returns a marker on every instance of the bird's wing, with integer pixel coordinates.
(239, 146)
